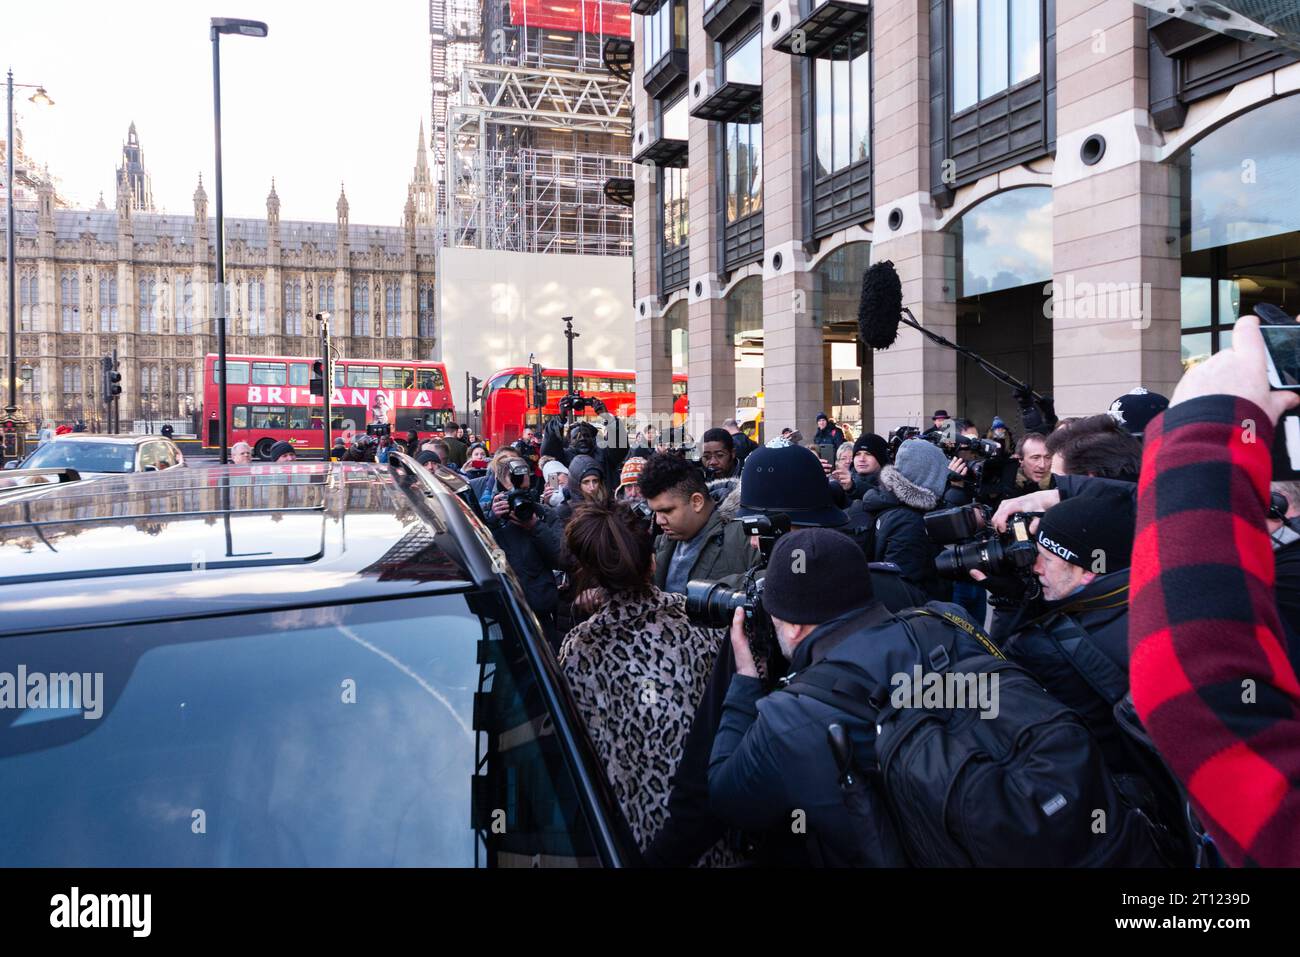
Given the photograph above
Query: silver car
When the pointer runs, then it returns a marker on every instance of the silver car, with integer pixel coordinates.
(93, 455)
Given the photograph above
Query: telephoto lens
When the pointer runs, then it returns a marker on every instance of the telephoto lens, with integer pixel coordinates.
(713, 603)
(519, 498)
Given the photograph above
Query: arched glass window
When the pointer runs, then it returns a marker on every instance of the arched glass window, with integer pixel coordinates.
(70, 300)
(108, 320)
(361, 309)
(1005, 242)
(393, 310)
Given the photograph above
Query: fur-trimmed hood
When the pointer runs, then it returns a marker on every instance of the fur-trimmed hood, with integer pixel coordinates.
(725, 493)
(907, 493)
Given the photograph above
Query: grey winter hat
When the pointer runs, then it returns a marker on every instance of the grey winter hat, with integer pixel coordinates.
(581, 467)
(923, 464)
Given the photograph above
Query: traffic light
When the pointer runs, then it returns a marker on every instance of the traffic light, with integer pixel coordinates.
(318, 377)
(476, 389)
(539, 386)
(111, 389)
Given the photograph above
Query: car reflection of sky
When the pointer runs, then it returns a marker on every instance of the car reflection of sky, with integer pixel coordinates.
(1007, 241)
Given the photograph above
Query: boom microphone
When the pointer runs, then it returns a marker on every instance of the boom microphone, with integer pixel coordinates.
(880, 306)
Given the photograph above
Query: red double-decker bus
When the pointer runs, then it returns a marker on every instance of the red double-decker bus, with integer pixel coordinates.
(508, 398)
(270, 400)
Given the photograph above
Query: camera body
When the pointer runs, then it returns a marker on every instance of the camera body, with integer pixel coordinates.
(712, 604)
(576, 402)
(377, 429)
(642, 510)
(974, 545)
(520, 496)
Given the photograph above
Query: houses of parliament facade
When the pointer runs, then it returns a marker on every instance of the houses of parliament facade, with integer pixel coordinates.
(143, 283)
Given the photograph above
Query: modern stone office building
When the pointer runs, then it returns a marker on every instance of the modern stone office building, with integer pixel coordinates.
(1085, 193)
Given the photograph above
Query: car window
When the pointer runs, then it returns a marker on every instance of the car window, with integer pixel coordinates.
(393, 733)
(84, 456)
(148, 456)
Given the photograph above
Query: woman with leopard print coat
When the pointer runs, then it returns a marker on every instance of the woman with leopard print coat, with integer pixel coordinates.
(638, 667)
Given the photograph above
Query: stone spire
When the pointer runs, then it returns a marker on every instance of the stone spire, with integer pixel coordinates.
(342, 207)
(273, 205)
(132, 177)
(421, 190)
(200, 202)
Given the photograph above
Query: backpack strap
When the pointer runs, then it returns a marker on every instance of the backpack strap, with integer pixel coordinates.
(840, 685)
(1092, 664)
(965, 624)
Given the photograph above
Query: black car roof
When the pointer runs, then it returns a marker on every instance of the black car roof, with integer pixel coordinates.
(200, 541)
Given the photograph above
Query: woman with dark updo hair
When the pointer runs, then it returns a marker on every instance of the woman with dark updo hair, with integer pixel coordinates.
(638, 666)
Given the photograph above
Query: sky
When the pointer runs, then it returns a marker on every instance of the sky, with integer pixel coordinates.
(322, 100)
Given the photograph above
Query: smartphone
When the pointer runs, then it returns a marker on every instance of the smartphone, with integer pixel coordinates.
(827, 452)
(1282, 344)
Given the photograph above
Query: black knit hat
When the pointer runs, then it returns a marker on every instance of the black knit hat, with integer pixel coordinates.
(279, 449)
(814, 575)
(878, 447)
(790, 480)
(1134, 410)
(1088, 532)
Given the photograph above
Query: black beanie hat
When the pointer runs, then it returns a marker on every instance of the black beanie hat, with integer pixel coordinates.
(814, 575)
(279, 449)
(878, 447)
(789, 479)
(1089, 532)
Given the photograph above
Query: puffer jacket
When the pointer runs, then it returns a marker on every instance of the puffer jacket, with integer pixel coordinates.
(887, 522)
(638, 668)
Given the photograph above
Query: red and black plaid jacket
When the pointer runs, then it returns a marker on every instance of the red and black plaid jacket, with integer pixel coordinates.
(1209, 670)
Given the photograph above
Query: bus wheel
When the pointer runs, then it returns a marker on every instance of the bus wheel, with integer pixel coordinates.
(263, 448)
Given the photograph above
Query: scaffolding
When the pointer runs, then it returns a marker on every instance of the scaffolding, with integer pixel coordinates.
(534, 130)
(525, 169)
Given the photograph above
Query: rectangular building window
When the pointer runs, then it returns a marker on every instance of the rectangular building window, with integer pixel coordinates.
(292, 307)
(361, 309)
(146, 306)
(325, 301)
(996, 44)
(426, 311)
(393, 310)
(70, 301)
(185, 311)
(29, 303)
(256, 307)
(744, 166)
(108, 321)
(675, 212)
(842, 111)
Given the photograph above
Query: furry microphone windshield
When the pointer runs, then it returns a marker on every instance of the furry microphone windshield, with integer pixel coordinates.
(881, 305)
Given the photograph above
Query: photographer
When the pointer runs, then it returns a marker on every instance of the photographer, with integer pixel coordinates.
(1035, 464)
(526, 532)
(718, 455)
(582, 440)
(770, 755)
(1071, 631)
(697, 540)
(1096, 445)
(870, 455)
(1210, 681)
(637, 663)
(887, 520)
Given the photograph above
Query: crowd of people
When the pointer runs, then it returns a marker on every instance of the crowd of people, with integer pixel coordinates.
(1119, 592)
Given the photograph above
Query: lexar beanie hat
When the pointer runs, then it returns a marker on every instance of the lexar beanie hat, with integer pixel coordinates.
(814, 575)
(1090, 533)
(923, 463)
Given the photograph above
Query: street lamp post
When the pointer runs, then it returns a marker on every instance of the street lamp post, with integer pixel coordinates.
(11, 410)
(247, 28)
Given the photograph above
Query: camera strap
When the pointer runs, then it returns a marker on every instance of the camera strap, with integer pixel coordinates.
(1091, 663)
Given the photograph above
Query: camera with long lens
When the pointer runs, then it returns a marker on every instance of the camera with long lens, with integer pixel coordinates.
(973, 544)
(520, 496)
(576, 402)
(712, 603)
(378, 429)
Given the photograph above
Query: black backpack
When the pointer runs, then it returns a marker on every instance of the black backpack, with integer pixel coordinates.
(1182, 838)
(1025, 788)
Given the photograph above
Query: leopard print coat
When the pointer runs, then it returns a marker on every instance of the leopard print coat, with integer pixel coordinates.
(638, 669)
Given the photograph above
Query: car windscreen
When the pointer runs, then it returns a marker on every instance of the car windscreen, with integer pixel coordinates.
(392, 733)
(84, 456)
